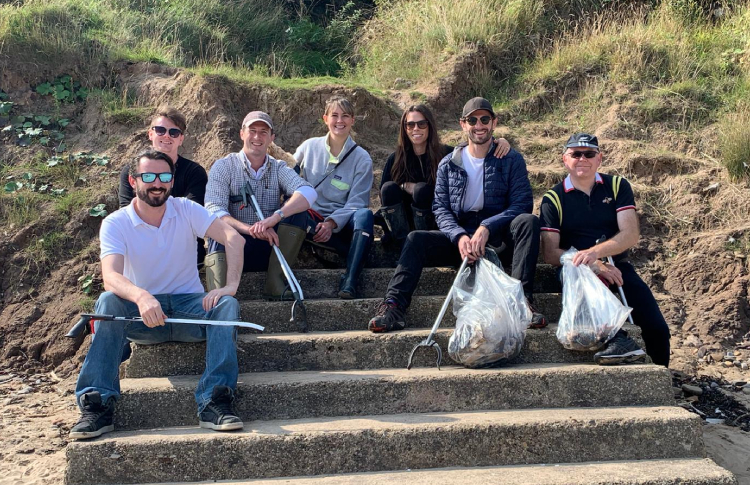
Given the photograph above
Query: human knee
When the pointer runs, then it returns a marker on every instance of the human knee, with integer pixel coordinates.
(363, 220)
(227, 309)
(423, 195)
(390, 194)
(110, 304)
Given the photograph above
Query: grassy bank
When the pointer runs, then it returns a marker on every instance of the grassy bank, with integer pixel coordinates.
(269, 36)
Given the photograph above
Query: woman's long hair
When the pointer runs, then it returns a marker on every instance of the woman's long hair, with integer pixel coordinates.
(402, 171)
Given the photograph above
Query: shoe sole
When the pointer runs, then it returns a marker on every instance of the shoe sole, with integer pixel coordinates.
(345, 295)
(221, 427)
(84, 435)
(375, 329)
(627, 358)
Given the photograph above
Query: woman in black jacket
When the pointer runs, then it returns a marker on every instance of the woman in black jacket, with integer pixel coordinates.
(408, 183)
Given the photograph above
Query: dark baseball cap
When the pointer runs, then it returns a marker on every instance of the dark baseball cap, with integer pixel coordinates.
(254, 116)
(582, 140)
(475, 104)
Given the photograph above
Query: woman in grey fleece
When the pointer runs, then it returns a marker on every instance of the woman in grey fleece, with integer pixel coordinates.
(341, 172)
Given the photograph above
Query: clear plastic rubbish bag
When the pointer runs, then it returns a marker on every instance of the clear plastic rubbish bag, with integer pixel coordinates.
(591, 314)
(491, 316)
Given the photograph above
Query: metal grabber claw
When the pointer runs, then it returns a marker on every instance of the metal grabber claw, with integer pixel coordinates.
(429, 341)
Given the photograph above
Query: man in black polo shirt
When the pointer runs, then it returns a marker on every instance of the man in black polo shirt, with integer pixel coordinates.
(576, 213)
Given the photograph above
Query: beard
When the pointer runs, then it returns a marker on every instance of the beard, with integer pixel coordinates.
(154, 197)
(480, 140)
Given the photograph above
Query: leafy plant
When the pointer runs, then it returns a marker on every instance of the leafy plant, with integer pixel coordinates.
(5, 107)
(87, 283)
(63, 89)
(98, 210)
(43, 129)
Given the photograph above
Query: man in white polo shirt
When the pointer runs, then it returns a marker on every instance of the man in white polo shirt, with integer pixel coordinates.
(148, 252)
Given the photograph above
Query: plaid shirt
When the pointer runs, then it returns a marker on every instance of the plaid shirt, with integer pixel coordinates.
(227, 177)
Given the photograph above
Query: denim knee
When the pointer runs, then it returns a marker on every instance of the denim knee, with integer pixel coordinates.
(110, 304)
(363, 220)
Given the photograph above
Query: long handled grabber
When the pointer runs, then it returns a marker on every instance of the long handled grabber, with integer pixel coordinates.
(429, 342)
(619, 288)
(299, 314)
(84, 325)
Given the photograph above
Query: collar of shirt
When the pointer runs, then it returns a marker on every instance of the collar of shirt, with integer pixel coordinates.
(331, 158)
(256, 175)
(136, 220)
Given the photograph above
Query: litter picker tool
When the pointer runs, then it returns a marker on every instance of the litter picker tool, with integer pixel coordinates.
(299, 314)
(429, 341)
(84, 324)
(619, 288)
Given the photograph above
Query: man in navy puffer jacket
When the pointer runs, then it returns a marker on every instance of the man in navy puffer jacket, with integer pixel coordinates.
(479, 200)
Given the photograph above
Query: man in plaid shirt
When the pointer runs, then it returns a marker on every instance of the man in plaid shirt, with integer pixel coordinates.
(269, 178)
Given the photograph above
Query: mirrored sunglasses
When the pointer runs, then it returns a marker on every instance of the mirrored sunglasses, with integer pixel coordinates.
(472, 120)
(422, 124)
(148, 177)
(162, 130)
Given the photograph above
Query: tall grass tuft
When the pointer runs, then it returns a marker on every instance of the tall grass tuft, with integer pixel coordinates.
(734, 143)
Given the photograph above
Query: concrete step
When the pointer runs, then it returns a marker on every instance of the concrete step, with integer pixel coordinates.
(324, 283)
(321, 446)
(354, 349)
(380, 257)
(644, 472)
(329, 315)
(169, 401)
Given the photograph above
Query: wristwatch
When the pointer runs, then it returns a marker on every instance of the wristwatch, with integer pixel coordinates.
(280, 213)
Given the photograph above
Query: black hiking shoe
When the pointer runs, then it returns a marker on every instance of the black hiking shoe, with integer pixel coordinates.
(537, 319)
(96, 418)
(219, 413)
(621, 349)
(390, 316)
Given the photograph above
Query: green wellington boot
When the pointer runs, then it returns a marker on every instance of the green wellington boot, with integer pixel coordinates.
(290, 242)
(216, 270)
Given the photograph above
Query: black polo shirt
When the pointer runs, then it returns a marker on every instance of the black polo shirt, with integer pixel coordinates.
(581, 219)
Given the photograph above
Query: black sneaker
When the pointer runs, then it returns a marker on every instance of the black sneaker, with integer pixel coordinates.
(219, 413)
(537, 319)
(621, 349)
(96, 418)
(390, 316)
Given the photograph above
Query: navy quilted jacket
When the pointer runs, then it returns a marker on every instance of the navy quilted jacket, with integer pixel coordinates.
(507, 193)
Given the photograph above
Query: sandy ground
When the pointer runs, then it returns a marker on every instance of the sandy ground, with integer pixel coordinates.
(38, 411)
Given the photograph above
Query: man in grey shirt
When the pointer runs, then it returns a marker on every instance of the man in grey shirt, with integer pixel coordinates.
(269, 179)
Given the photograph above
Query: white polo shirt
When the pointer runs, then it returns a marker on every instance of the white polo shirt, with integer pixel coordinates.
(161, 260)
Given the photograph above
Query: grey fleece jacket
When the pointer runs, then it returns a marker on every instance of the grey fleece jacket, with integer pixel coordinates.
(346, 189)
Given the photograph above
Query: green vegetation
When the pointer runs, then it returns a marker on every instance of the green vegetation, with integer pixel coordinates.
(182, 33)
(734, 142)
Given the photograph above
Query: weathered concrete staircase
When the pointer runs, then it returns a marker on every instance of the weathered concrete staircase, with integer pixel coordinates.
(338, 406)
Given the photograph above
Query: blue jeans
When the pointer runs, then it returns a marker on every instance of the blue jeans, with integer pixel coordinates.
(101, 369)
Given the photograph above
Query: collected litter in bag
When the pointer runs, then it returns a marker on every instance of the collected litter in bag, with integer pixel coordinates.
(491, 316)
(591, 314)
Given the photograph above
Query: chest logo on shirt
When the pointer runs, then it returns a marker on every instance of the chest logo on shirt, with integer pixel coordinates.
(607, 200)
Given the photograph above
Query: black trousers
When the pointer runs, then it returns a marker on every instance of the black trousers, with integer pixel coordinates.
(518, 243)
(646, 314)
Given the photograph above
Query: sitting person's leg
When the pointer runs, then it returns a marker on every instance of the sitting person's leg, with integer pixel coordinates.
(291, 231)
(256, 257)
(424, 220)
(420, 247)
(98, 385)
(521, 244)
(646, 314)
(361, 227)
(393, 210)
(216, 387)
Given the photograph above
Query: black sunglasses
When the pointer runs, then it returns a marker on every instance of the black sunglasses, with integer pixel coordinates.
(162, 130)
(149, 177)
(472, 120)
(422, 124)
(587, 154)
